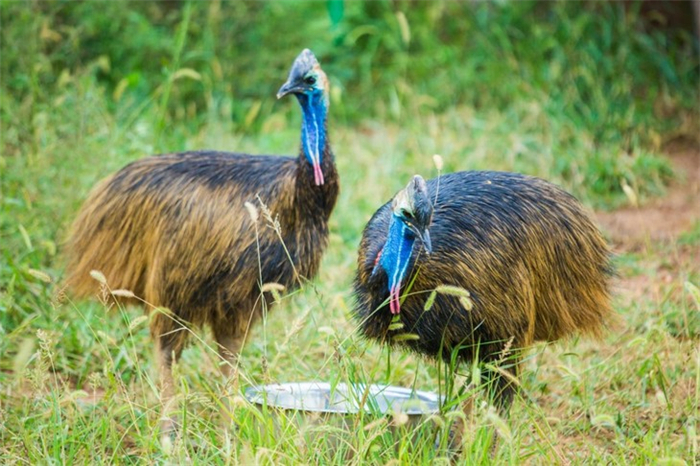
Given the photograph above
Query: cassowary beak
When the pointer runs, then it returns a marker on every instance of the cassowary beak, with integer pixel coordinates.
(288, 88)
(425, 238)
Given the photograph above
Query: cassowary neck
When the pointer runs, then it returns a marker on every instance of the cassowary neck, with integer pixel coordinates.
(395, 259)
(314, 139)
(317, 179)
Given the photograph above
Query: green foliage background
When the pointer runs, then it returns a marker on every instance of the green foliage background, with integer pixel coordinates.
(592, 67)
(585, 94)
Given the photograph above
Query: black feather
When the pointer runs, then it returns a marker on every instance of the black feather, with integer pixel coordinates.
(535, 265)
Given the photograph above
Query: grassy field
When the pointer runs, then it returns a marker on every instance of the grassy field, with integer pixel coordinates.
(584, 95)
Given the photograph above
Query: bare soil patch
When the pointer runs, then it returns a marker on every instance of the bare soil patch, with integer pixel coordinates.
(653, 230)
(662, 219)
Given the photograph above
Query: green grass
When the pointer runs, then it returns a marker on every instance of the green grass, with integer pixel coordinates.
(580, 94)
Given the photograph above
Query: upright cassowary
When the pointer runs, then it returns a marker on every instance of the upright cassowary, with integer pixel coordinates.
(518, 260)
(176, 231)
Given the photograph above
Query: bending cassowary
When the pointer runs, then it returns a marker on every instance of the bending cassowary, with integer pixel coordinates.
(175, 231)
(534, 266)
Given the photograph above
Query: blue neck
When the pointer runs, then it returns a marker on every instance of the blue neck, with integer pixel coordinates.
(314, 108)
(396, 254)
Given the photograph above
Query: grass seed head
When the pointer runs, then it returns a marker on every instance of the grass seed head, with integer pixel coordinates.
(99, 276)
(252, 211)
(499, 424)
(137, 321)
(466, 303)
(399, 419)
(405, 337)
(123, 294)
(452, 290)
(430, 301)
(40, 275)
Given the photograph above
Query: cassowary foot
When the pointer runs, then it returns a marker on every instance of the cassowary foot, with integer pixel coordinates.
(169, 428)
(455, 435)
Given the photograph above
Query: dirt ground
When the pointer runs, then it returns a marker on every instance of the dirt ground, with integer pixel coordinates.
(652, 229)
(663, 218)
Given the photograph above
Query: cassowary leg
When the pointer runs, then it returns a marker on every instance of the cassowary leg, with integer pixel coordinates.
(502, 385)
(229, 343)
(170, 340)
(229, 347)
(461, 425)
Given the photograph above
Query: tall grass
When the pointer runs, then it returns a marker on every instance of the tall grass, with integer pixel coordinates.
(580, 93)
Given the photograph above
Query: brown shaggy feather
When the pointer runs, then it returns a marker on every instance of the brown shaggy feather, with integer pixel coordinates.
(174, 230)
(180, 231)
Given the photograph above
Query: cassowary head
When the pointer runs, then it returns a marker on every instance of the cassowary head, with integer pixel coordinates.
(412, 206)
(309, 84)
(412, 213)
(305, 78)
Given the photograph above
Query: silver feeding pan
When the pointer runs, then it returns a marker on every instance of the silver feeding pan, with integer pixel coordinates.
(322, 397)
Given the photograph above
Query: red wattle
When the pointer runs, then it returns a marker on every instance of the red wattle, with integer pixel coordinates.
(379, 255)
(318, 175)
(394, 299)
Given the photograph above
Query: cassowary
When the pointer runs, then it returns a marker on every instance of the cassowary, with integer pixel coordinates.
(521, 259)
(179, 230)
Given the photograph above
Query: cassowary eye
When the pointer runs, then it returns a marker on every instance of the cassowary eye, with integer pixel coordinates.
(310, 80)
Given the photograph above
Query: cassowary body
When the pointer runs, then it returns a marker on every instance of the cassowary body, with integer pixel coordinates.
(534, 264)
(175, 229)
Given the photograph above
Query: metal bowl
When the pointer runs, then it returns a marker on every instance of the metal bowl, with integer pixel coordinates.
(322, 397)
